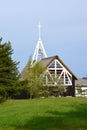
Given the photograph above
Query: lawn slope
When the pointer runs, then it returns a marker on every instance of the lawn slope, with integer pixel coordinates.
(44, 114)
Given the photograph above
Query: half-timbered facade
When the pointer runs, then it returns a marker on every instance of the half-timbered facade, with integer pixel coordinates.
(58, 73)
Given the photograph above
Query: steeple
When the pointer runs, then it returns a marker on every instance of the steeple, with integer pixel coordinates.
(39, 52)
(39, 29)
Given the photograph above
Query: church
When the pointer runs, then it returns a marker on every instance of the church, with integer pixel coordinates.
(56, 71)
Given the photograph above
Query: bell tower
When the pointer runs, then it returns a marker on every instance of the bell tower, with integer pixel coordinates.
(39, 52)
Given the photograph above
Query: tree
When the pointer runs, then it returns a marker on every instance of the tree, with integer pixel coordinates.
(35, 80)
(8, 71)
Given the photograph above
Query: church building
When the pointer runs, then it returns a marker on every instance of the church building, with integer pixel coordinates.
(56, 71)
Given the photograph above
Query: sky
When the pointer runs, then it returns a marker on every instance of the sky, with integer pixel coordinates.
(63, 33)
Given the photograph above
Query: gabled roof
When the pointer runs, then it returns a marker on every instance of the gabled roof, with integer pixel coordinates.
(47, 61)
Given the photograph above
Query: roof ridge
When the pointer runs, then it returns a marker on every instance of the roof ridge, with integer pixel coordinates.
(49, 57)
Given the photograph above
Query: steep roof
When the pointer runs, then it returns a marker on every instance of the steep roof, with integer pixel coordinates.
(24, 73)
(46, 62)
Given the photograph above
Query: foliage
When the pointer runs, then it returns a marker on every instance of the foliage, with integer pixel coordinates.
(35, 80)
(8, 71)
(22, 92)
(44, 114)
(61, 89)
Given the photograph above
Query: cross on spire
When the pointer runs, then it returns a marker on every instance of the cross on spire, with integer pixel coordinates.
(39, 29)
(39, 52)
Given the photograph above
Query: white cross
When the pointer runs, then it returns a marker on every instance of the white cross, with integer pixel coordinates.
(39, 28)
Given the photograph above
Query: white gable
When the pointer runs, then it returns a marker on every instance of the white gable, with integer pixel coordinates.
(57, 73)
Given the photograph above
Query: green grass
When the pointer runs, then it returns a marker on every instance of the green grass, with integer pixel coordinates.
(44, 114)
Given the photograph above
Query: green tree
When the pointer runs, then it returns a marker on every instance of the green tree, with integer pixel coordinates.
(8, 71)
(35, 80)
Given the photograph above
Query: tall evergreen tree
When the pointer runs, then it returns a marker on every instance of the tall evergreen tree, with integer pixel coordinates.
(8, 70)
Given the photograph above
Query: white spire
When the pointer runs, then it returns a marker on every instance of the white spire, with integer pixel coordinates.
(39, 52)
(39, 28)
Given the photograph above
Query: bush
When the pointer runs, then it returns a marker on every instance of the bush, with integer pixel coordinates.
(2, 99)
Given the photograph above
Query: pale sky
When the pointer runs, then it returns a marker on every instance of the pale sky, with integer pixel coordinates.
(64, 30)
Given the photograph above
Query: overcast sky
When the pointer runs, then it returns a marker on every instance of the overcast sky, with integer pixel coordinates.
(64, 30)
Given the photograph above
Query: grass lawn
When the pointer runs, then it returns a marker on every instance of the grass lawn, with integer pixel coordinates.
(44, 114)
